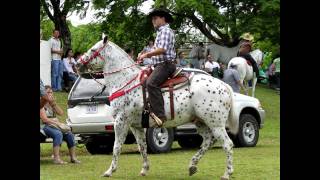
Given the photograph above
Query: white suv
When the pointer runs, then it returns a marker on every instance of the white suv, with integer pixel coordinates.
(89, 115)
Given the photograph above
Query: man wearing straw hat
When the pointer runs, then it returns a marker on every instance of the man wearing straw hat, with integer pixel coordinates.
(245, 49)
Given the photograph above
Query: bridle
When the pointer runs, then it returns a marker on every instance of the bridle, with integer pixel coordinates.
(119, 92)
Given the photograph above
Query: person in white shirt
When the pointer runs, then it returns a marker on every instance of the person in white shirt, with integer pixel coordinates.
(56, 63)
(69, 72)
(211, 66)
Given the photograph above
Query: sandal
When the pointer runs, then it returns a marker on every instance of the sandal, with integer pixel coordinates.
(59, 162)
(75, 161)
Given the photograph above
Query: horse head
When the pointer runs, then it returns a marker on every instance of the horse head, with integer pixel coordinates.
(93, 60)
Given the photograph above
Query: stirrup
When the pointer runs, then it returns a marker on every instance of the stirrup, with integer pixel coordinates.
(176, 73)
(156, 119)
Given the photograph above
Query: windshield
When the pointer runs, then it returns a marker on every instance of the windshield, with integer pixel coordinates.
(86, 88)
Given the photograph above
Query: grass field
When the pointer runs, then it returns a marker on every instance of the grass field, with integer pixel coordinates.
(257, 163)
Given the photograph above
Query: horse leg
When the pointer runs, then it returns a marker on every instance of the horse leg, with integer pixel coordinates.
(208, 140)
(254, 82)
(245, 85)
(121, 130)
(142, 145)
(221, 134)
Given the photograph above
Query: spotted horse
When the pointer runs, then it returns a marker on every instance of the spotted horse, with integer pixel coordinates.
(206, 101)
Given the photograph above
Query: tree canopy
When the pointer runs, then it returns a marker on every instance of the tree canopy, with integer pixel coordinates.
(221, 21)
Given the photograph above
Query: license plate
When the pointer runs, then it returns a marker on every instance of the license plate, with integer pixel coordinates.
(92, 109)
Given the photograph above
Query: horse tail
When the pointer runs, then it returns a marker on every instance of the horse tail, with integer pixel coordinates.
(233, 123)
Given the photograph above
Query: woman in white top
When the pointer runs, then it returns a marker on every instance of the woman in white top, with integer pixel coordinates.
(69, 73)
(211, 66)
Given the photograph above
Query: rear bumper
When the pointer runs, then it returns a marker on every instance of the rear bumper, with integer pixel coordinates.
(91, 128)
(186, 130)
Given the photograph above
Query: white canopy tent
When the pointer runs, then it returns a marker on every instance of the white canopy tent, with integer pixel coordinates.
(45, 62)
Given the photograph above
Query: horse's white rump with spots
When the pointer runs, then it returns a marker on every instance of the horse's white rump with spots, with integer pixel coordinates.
(205, 99)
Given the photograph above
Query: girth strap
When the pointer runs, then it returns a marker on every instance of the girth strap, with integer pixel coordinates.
(171, 100)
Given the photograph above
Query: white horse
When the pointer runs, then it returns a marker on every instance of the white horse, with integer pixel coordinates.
(206, 101)
(245, 70)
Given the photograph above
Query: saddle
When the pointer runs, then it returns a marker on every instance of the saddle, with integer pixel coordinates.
(177, 80)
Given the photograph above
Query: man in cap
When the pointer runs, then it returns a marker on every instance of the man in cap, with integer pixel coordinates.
(245, 49)
(163, 56)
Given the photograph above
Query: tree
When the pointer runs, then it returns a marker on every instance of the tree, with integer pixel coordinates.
(221, 21)
(124, 24)
(57, 12)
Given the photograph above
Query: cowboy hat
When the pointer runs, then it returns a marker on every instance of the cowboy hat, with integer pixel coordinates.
(247, 36)
(161, 13)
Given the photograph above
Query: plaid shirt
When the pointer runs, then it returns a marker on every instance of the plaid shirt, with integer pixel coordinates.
(165, 39)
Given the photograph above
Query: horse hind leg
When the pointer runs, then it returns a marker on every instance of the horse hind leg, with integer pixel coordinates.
(221, 134)
(254, 83)
(142, 145)
(120, 136)
(208, 141)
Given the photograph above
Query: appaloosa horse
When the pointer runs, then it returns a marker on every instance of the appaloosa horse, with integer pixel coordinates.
(205, 100)
(245, 70)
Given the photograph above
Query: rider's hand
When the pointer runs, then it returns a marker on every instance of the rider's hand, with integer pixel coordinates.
(141, 57)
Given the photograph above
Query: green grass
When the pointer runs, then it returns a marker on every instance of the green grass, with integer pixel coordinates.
(258, 163)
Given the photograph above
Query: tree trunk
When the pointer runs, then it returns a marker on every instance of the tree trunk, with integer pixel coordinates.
(62, 26)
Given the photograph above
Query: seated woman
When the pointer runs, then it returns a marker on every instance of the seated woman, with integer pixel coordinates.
(69, 73)
(48, 116)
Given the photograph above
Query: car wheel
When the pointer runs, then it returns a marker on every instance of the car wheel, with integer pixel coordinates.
(99, 145)
(159, 140)
(248, 134)
(190, 142)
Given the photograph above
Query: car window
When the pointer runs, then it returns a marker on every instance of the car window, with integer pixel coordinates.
(86, 88)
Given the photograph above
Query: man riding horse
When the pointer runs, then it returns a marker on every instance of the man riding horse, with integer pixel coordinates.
(245, 49)
(163, 56)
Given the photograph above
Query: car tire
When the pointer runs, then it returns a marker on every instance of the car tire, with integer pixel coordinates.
(99, 145)
(248, 134)
(159, 140)
(190, 142)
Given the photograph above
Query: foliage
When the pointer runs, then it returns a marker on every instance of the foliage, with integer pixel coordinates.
(124, 24)
(221, 21)
(47, 26)
(85, 36)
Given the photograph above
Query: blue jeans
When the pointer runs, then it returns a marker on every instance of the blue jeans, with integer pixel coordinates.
(58, 136)
(72, 77)
(56, 74)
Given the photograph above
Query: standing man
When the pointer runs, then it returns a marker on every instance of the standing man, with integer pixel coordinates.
(276, 63)
(163, 56)
(56, 63)
(231, 77)
(198, 57)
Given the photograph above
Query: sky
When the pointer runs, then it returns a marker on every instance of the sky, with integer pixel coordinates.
(76, 21)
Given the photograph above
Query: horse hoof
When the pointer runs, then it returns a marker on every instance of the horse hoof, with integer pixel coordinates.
(192, 170)
(224, 178)
(143, 174)
(106, 175)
